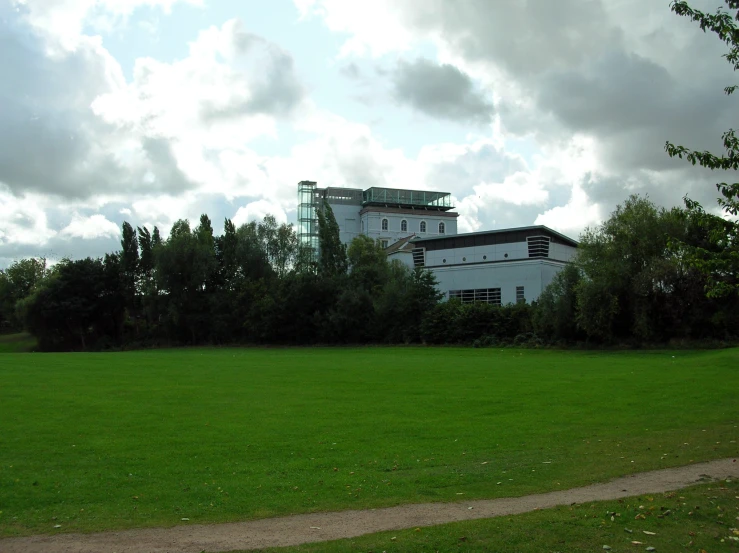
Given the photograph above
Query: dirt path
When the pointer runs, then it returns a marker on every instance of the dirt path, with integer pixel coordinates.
(294, 530)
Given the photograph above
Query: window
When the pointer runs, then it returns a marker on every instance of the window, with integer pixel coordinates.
(482, 295)
(404, 226)
(384, 224)
(423, 226)
(520, 297)
(384, 243)
(442, 228)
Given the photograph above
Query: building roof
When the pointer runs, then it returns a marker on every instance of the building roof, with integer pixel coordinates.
(399, 245)
(522, 231)
(420, 211)
(407, 198)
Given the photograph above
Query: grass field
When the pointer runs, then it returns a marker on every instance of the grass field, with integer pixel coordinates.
(699, 518)
(108, 441)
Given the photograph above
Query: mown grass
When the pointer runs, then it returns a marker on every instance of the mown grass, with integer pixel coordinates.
(107, 441)
(17, 343)
(700, 518)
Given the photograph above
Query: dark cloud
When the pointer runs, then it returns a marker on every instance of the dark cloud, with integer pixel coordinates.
(267, 70)
(440, 91)
(51, 142)
(351, 71)
(46, 125)
(524, 37)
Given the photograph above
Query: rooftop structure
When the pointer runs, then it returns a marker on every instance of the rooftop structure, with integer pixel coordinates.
(397, 197)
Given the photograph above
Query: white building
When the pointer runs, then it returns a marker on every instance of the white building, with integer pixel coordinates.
(385, 214)
(496, 266)
(419, 229)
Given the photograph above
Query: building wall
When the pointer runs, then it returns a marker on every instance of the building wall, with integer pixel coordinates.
(347, 217)
(532, 274)
(405, 257)
(498, 252)
(371, 224)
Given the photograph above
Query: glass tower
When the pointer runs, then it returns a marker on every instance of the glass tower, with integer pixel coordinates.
(307, 218)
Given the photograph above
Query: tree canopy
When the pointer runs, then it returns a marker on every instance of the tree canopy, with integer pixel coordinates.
(720, 263)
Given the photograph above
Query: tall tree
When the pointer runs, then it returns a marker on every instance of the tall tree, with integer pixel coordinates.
(332, 257)
(129, 266)
(720, 265)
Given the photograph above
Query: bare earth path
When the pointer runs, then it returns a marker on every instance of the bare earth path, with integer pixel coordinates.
(294, 530)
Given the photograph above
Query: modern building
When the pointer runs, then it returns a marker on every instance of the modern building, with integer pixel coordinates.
(419, 229)
(385, 214)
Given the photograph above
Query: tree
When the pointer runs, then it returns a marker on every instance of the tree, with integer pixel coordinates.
(721, 266)
(79, 305)
(129, 269)
(17, 282)
(555, 312)
(332, 257)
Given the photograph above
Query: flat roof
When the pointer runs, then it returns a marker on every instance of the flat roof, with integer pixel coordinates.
(565, 239)
(406, 197)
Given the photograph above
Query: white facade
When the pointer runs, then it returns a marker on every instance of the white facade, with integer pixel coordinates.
(502, 266)
(533, 275)
(387, 224)
(348, 219)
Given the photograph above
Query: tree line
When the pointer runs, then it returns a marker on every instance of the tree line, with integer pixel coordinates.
(631, 282)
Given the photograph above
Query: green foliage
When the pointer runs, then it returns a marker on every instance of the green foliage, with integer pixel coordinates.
(555, 312)
(479, 324)
(16, 283)
(720, 264)
(332, 260)
(81, 303)
(633, 285)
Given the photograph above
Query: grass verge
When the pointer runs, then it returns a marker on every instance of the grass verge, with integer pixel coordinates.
(108, 441)
(702, 518)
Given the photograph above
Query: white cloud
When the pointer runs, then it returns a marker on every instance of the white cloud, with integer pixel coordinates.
(91, 227)
(23, 221)
(65, 19)
(375, 27)
(256, 211)
(571, 219)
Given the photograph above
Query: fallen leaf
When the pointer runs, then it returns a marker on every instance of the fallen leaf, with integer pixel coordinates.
(315, 527)
(636, 543)
(648, 533)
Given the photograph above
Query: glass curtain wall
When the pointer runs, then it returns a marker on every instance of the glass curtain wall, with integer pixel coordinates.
(307, 218)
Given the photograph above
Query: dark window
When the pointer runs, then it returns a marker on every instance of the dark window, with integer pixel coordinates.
(482, 295)
(520, 296)
(442, 228)
(404, 226)
(384, 243)
(423, 226)
(384, 224)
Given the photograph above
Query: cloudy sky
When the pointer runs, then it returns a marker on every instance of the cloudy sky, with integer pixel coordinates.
(527, 111)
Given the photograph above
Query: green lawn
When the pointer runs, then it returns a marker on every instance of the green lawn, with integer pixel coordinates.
(117, 440)
(700, 518)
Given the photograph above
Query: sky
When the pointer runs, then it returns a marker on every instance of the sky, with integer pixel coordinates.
(529, 112)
